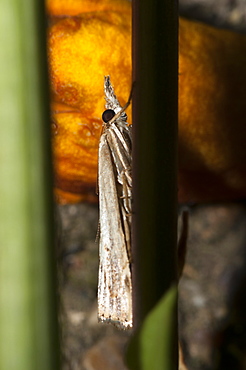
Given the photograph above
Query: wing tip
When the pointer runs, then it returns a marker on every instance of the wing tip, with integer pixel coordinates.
(118, 323)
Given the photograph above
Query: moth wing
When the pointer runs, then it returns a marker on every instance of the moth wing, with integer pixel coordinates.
(114, 288)
(121, 143)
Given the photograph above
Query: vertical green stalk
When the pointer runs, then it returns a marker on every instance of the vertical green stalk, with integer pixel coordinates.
(155, 107)
(28, 323)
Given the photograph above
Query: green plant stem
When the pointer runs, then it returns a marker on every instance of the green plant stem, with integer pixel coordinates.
(155, 107)
(28, 319)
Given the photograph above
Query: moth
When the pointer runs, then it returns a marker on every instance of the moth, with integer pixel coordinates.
(115, 213)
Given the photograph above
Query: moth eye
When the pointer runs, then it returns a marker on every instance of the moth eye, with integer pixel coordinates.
(107, 115)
